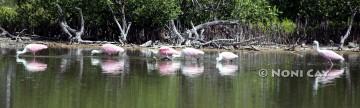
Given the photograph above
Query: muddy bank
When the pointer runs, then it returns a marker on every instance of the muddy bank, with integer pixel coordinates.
(8, 43)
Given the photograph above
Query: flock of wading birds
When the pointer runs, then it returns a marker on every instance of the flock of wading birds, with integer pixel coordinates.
(169, 53)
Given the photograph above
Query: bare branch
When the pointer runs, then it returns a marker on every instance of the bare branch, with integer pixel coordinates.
(124, 28)
(194, 30)
(6, 33)
(70, 31)
(343, 38)
(176, 32)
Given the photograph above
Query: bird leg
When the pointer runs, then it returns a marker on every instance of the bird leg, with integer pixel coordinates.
(330, 62)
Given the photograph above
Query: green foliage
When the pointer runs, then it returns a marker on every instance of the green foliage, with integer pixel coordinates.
(254, 11)
(33, 14)
(205, 10)
(288, 26)
(8, 15)
(152, 13)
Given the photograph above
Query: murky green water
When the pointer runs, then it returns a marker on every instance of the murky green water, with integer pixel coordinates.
(61, 78)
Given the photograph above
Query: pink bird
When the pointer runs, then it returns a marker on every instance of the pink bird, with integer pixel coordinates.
(328, 54)
(191, 53)
(32, 66)
(168, 52)
(33, 48)
(109, 49)
(228, 56)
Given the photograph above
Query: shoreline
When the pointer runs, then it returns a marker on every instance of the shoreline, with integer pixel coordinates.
(13, 44)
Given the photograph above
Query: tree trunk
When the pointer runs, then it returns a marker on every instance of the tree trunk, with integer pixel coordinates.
(343, 38)
(73, 35)
(6, 33)
(125, 26)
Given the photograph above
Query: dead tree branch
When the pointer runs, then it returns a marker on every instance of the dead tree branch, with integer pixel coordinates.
(125, 27)
(6, 33)
(343, 38)
(231, 41)
(176, 32)
(198, 37)
(73, 34)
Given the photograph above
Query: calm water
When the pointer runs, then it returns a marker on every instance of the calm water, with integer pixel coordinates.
(61, 78)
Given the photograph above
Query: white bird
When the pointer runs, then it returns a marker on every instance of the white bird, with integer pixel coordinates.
(227, 56)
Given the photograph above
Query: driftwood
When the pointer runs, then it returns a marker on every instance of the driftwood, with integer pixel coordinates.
(73, 34)
(147, 44)
(188, 38)
(195, 36)
(6, 33)
(343, 38)
(293, 47)
(176, 32)
(125, 27)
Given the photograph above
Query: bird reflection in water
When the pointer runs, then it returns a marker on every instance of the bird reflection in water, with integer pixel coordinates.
(227, 69)
(32, 65)
(166, 67)
(327, 77)
(192, 69)
(110, 65)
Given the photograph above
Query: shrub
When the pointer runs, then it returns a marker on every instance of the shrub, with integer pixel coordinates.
(8, 15)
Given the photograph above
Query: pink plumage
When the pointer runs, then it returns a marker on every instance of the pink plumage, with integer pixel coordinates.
(111, 49)
(328, 54)
(33, 48)
(167, 51)
(192, 52)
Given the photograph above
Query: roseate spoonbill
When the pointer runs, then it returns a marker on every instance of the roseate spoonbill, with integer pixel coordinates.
(191, 53)
(33, 48)
(109, 49)
(33, 65)
(167, 52)
(328, 54)
(228, 56)
(192, 69)
(226, 69)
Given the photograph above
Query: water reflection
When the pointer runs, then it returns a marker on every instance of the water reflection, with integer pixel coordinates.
(110, 65)
(148, 52)
(328, 77)
(226, 68)
(32, 65)
(192, 69)
(167, 67)
(79, 85)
